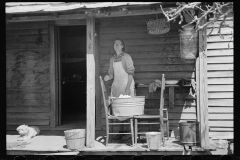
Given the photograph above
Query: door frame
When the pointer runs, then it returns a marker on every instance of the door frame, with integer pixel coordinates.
(55, 119)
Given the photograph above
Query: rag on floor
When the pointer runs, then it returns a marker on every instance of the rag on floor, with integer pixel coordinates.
(192, 83)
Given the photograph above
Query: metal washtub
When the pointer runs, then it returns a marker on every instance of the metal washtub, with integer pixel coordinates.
(128, 106)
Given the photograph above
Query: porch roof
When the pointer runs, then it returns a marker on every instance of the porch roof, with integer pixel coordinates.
(23, 7)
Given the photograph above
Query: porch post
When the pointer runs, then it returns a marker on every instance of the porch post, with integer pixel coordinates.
(53, 80)
(90, 126)
(98, 119)
(202, 91)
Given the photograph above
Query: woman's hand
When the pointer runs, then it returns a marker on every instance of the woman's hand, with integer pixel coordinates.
(106, 78)
(127, 91)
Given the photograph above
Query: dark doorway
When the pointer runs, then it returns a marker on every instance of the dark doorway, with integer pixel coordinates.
(73, 76)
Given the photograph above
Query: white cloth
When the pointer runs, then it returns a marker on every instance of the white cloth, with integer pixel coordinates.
(120, 81)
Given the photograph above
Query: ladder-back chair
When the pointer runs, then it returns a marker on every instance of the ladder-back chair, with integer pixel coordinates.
(109, 117)
(160, 117)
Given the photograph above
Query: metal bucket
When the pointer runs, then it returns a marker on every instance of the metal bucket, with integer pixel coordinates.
(188, 45)
(153, 140)
(189, 132)
(75, 138)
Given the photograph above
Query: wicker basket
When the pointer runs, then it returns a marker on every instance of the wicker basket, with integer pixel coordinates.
(158, 26)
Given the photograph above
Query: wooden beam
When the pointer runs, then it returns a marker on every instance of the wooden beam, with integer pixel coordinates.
(71, 22)
(58, 77)
(90, 136)
(83, 16)
(203, 92)
(53, 94)
(171, 97)
(97, 81)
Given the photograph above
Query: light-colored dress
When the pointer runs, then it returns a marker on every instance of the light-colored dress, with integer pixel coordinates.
(120, 68)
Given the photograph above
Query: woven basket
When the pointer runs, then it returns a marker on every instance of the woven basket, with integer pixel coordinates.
(158, 26)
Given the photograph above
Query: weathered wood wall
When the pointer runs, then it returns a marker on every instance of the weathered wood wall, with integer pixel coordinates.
(27, 74)
(220, 80)
(153, 55)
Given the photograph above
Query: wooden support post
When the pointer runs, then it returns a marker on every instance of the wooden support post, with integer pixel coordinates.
(97, 82)
(202, 89)
(161, 108)
(198, 90)
(171, 97)
(90, 136)
(53, 80)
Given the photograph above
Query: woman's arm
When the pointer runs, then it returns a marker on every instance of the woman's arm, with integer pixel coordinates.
(130, 70)
(110, 70)
(130, 78)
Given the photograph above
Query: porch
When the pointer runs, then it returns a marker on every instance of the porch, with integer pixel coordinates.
(53, 143)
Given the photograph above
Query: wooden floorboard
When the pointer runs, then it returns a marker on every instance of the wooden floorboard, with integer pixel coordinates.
(51, 144)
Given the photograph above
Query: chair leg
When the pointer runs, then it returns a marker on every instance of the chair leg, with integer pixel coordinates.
(112, 121)
(131, 123)
(167, 129)
(107, 134)
(136, 131)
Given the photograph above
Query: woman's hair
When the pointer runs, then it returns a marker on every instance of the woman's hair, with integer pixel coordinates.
(121, 42)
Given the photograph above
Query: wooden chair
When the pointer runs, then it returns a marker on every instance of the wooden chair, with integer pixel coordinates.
(109, 117)
(160, 117)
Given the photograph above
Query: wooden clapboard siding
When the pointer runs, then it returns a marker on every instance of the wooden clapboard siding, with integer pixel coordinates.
(153, 55)
(27, 75)
(24, 25)
(41, 127)
(223, 31)
(220, 67)
(155, 60)
(145, 55)
(220, 52)
(28, 115)
(225, 59)
(28, 121)
(25, 31)
(221, 88)
(154, 40)
(32, 109)
(220, 81)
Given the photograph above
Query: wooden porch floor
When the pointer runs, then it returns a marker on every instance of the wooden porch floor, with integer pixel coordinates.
(53, 142)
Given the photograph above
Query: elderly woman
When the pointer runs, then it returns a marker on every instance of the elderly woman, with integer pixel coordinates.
(121, 70)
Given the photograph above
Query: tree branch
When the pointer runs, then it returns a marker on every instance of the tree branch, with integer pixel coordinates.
(216, 9)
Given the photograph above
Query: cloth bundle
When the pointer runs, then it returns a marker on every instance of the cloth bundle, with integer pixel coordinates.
(192, 83)
(153, 85)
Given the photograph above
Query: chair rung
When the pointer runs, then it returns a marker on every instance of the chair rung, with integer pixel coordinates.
(142, 132)
(156, 122)
(119, 133)
(117, 123)
(148, 123)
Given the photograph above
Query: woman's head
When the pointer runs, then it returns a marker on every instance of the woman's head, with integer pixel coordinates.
(118, 45)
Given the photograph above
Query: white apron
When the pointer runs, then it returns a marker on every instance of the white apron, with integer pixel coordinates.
(120, 81)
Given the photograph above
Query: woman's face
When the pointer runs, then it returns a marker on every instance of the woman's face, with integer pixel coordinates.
(118, 46)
